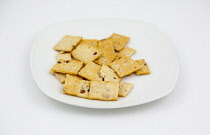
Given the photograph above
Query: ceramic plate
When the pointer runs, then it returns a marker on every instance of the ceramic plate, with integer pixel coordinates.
(146, 38)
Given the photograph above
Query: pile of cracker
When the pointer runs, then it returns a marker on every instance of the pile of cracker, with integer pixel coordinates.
(93, 68)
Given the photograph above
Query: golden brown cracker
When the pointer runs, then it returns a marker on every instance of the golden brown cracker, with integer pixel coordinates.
(67, 66)
(124, 66)
(103, 90)
(144, 69)
(67, 43)
(124, 89)
(108, 53)
(86, 53)
(90, 71)
(108, 74)
(76, 87)
(119, 41)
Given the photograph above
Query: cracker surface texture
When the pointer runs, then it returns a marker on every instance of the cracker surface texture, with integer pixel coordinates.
(124, 66)
(82, 88)
(92, 42)
(144, 69)
(76, 87)
(124, 89)
(108, 53)
(108, 74)
(102, 90)
(63, 56)
(86, 53)
(126, 52)
(91, 72)
(70, 84)
(67, 66)
(119, 41)
(67, 43)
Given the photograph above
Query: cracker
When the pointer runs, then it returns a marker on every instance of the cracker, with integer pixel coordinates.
(92, 42)
(124, 66)
(90, 71)
(124, 89)
(63, 56)
(69, 85)
(108, 53)
(126, 52)
(86, 53)
(67, 66)
(119, 41)
(144, 69)
(67, 43)
(76, 87)
(60, 76)
(102, 90)
(108, 74)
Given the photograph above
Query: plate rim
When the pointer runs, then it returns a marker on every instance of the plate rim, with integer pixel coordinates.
(101, 106)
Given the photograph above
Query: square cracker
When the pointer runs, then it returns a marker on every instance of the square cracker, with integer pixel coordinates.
(76, 87)
(126, 52)
(108, 74)
(86, 53)
(124, 89)
(124, 66)
(63, 56)
(144, 69)
(67, 43)
(102, 90)
(90, 71)
(119, 41)
(92, 42)
(108, 53)
(70, 81)
(60, 76)
(67, 66)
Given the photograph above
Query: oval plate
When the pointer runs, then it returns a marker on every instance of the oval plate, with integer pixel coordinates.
(149, 42)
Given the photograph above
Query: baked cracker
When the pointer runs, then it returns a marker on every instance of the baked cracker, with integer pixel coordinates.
(67, 66)
(76, 87)
(124, 89)
(90, 71)
(119, 41)
(108, 53)
(124, 66)
(144, 69)
(67, 43)
(125, 52)
(86, 53)
(103, 90)
(108, 74)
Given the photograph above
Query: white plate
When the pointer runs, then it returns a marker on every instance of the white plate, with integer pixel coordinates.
(149, 42)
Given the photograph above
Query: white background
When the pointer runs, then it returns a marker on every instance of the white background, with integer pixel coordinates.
(25, 110)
